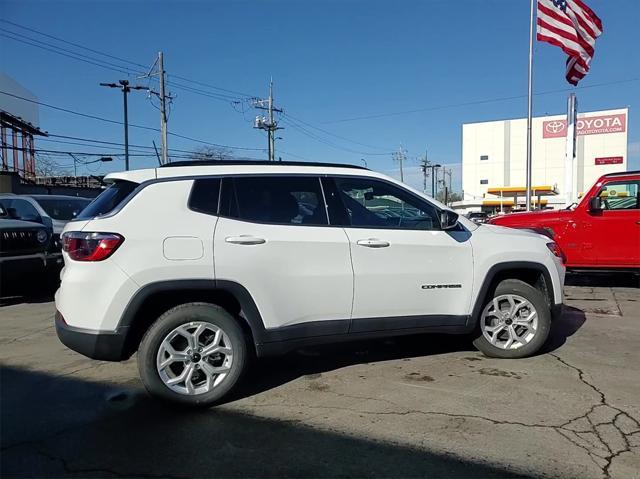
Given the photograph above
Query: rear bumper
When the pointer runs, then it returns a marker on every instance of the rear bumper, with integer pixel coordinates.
(102, 345)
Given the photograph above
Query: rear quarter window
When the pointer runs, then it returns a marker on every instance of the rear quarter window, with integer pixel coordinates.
(108, 200)
(204, 195)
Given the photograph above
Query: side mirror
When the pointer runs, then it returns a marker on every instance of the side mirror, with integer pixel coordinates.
(448, 219)
(595, 204)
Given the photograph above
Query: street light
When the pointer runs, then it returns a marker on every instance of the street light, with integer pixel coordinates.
(103, 159)
(126, 88)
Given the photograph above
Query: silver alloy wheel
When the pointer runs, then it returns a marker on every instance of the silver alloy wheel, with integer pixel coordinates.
(194, 358)
(509, 321)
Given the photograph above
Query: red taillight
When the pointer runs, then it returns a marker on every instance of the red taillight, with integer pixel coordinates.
(555, 249)
(82, 246)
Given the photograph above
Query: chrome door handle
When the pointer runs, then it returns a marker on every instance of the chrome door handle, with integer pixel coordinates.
(373, 243)
(245, 239)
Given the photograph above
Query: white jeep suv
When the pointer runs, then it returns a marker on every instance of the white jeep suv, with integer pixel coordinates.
(198, 266)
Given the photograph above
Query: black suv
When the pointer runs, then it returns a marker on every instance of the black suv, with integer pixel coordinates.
(23, 251)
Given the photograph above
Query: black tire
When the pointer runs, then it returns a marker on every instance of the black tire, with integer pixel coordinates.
(539, 302)
(183, 314)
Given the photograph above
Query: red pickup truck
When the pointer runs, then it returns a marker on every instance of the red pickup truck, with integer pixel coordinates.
(601, 232)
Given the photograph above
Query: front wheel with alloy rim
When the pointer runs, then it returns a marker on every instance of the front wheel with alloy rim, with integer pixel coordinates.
(515, 321)
(193, 354)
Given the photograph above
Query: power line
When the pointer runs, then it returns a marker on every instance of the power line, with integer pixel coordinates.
(70, 43)
(332, 134)
(129, 71)
(107, 120)
(124, 60)
(75, 56)
(66, 110)
(314, 136)
(109, 66)
(103, 142)
(115, 67)
(79, 153)
(208, 85)
(476, 102)
(87, 145)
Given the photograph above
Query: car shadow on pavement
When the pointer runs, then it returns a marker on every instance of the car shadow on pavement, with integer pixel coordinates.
(272, 372)
(563, 327)
(55, 426)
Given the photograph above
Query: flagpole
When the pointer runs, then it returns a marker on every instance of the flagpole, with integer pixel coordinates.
(529, 109)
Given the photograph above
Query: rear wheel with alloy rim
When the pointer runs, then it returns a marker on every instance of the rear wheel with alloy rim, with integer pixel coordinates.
(515, 322)
(193, 354)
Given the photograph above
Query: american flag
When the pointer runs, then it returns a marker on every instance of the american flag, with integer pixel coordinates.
(572, 26)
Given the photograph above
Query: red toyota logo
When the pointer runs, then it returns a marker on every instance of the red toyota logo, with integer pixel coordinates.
(555, 126)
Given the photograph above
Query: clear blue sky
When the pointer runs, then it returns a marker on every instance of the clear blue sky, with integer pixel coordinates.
(330, 61)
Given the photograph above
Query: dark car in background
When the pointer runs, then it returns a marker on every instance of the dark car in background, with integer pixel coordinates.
(53, 211)
(478, 217)
(24, 253)
(60, 208)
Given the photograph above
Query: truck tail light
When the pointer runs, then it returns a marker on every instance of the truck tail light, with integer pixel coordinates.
(81, 246)
(555, 249)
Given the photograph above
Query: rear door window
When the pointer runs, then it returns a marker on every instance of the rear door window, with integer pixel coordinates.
(286, 200)
(108, 200)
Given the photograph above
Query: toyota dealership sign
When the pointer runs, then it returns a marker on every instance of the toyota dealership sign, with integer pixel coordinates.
(590, 125)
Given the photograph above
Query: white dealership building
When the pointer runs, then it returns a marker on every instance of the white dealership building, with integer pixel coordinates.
(494, 158)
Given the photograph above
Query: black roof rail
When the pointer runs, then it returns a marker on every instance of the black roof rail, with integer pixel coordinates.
(623, 173)
(257, 162)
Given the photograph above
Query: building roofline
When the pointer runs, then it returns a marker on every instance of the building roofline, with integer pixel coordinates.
(543, 116)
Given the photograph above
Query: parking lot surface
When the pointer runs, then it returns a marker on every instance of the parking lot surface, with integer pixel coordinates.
(427, 406)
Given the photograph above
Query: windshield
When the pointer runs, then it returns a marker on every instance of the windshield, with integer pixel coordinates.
(63, 208)
(108, 200)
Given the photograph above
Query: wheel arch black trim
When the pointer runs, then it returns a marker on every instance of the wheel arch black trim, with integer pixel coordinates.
(498, 268)
(249, 310)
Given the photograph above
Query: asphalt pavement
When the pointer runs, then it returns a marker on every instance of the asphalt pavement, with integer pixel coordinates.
(425, 406)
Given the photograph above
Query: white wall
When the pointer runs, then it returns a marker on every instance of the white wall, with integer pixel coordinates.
(505, 144)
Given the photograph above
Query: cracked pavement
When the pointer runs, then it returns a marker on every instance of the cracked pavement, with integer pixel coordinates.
(425, 406)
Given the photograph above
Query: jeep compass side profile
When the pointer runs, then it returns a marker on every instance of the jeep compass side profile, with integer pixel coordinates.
(197, 266)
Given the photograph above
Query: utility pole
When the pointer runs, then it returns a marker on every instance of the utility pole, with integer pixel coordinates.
(124, 86)
(434, 183)
(75, 167)
(163, 97)
(164, 148)
(434, 178)
(424, 166)
(268, 124)
(399, 157)
(447, 189)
